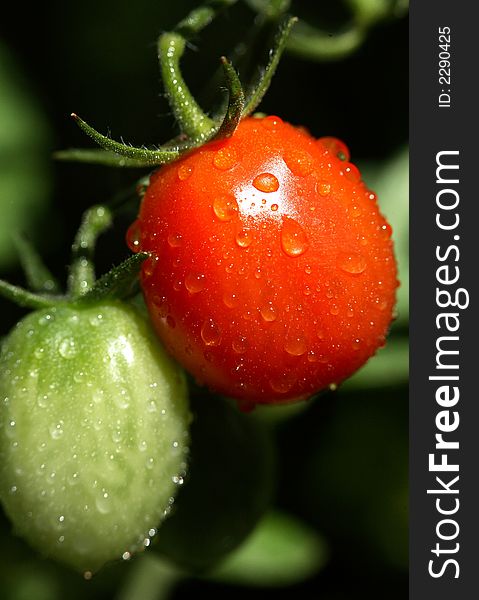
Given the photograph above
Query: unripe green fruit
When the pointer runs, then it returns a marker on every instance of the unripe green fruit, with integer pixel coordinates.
(93, 432)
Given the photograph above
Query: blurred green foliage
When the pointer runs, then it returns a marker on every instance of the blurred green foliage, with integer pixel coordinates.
(229, 487)
(306, 500)
(25, 170)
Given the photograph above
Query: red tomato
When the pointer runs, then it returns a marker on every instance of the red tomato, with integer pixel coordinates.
(272, 273)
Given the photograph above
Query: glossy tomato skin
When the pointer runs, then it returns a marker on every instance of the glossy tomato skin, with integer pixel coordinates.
(272, 273)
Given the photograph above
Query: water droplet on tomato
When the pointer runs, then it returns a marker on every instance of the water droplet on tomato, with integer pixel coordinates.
(116, 436)
(161, 305)
(355, 212)
(363, 241)
(266, 182)
(385, 231)
(184, 172)
(175, 240)
(274, 207)
(293, 238)
(225, 158)
(152, 406)
(382, 304)
(46, 319)
(300, 163)
(96, 320)
(268, 312)
(282, 383)
(244, 238)
(42, 400)
(324, 188)
(195, 282)
(103, 503)
(67, 348)
(240, 344)
(56, 431)
(351, 263)
(230, 299)
(149, 266)
(335, 147)
(295, 344)
(312, 356)
(73, 478)
(210, 333)
(271, 122)
(225, 207)
(334, 310)
(10, 429)
(351, 172)
(122, 400)
(356, 344)
(133, 236)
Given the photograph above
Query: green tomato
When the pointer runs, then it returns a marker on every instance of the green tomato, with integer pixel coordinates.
(93, 432)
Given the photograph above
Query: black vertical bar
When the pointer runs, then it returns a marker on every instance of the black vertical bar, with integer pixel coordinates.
(444, 117)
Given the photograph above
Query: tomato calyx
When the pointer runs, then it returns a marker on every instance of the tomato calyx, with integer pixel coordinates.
(83, 287)
(196, 127)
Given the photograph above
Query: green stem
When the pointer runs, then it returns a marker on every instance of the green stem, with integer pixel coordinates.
(25, 298)
(271, 9)
(200, 17)
(38, 277)
(191, 119)
(236, 102)
(82, 272)
(314, 44)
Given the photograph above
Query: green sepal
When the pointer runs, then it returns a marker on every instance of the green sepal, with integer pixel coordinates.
(27, 299)
(39, 278)
(236, 102)
(94, 156)
(118, 282)
(144, 156)
(260, 87)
